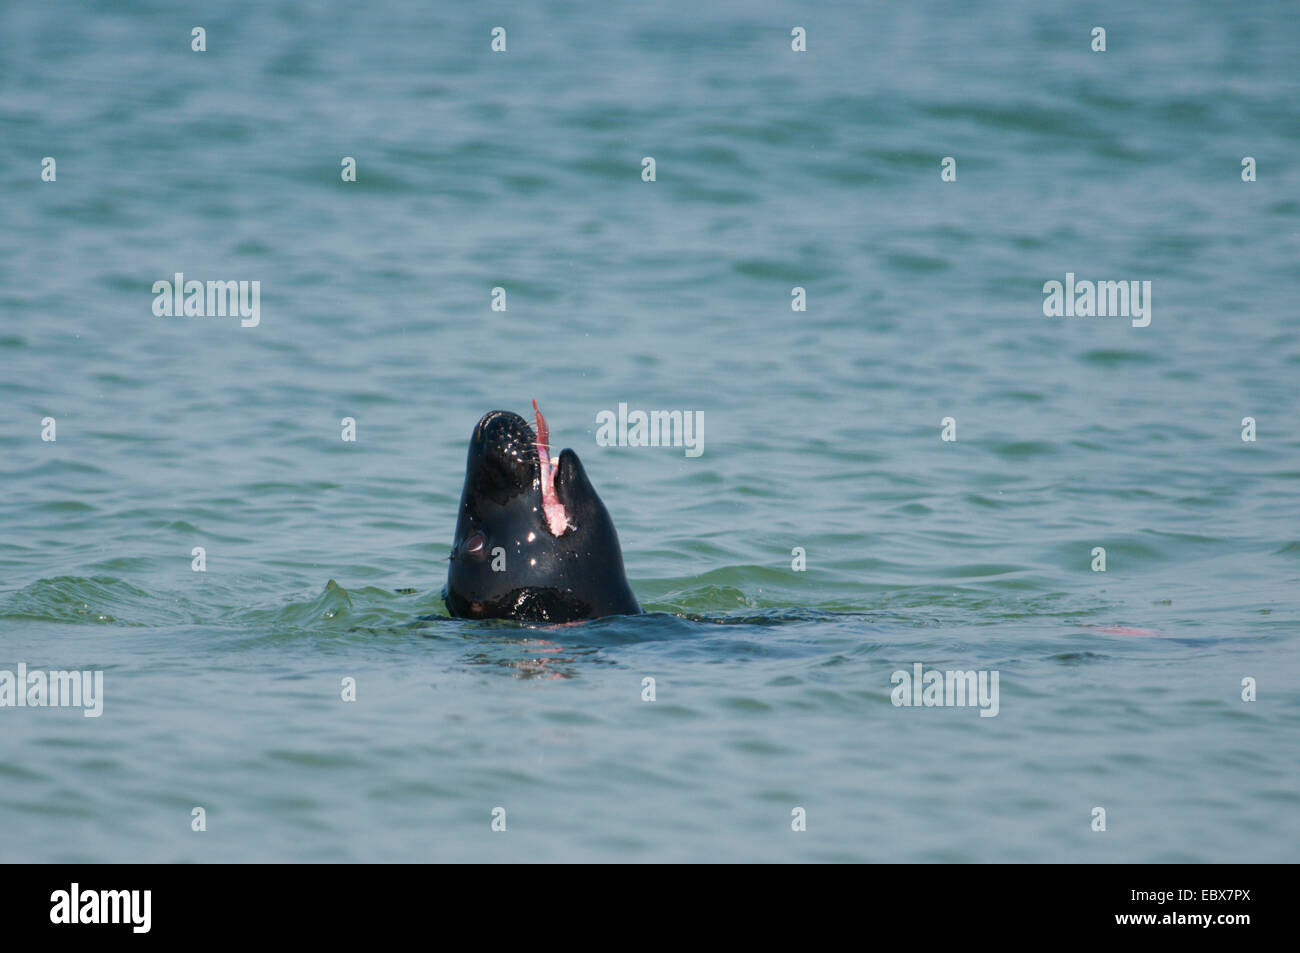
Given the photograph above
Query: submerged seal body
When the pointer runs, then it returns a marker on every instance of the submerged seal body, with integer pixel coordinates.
(533, 541)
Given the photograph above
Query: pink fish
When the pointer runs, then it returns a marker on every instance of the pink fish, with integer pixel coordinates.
(556, 518)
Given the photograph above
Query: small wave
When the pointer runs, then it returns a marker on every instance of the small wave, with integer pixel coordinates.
(78, 599)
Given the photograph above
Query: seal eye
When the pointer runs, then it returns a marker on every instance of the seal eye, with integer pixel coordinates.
(474, 544)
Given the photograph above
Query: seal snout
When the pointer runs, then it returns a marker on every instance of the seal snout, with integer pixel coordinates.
(507, 457)
(503, 455)
(501, 429)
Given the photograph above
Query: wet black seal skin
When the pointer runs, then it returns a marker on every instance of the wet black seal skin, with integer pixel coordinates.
(539, 576)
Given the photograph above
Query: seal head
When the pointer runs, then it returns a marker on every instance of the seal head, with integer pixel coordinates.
(533, 540)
